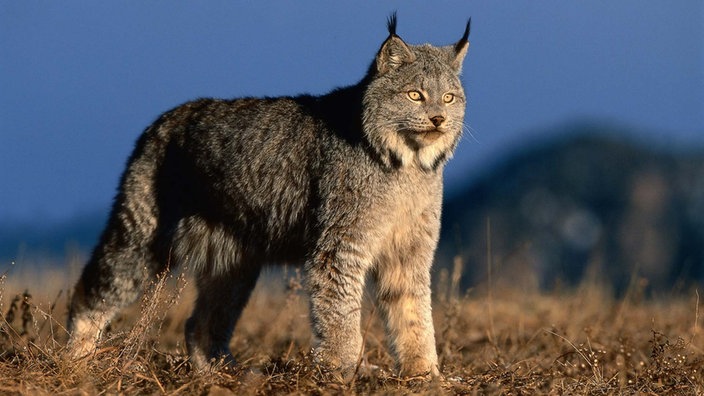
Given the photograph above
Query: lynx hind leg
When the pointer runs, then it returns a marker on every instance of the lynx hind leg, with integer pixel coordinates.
(219, 305)
(85, 324)
(403, 296)
(113, 278)
(224, 281)
(115, 275)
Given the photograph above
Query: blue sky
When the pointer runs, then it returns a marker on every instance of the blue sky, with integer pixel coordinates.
(80, 80)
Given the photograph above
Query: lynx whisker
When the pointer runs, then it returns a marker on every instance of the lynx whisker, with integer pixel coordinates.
(470, 132)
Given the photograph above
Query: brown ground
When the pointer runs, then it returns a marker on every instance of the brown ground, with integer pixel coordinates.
(491, 340)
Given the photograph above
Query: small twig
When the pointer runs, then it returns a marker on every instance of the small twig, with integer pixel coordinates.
(158, 383)
(595, 369)
(573, 346)
(288, 350)
(50, 313)
(490, 297)
(360, 357)
(695, 329)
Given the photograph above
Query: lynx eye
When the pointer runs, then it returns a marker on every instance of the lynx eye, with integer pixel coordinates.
(415, 96)
(448, 98)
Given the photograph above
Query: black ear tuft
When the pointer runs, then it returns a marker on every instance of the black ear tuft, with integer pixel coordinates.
(394, 52)
(391, 24)
(460, 49)
(465, 37)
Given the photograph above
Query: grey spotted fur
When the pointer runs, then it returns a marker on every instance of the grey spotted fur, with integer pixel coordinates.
(348, 183)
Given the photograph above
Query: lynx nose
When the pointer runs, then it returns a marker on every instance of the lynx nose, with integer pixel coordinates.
(437, 120)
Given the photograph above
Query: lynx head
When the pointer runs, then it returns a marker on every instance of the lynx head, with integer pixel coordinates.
(414, 102)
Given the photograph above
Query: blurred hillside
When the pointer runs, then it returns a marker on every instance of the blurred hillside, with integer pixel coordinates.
(553, 212)
(39, 244)
(618, 208)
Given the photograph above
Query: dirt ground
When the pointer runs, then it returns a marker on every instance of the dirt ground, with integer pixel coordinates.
(498, 338)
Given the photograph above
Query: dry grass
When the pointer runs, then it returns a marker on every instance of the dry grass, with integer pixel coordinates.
(491, 340)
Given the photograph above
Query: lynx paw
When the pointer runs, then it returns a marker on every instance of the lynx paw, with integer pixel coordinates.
(85, 333)
(79, 349)
(420, 368)
(225, 362)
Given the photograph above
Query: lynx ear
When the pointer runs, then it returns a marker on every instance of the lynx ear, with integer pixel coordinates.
(460, 48)
(394, 52)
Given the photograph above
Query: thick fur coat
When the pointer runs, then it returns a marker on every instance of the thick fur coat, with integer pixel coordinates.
(349, 184)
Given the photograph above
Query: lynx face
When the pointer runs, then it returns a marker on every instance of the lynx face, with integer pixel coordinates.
(414, 108)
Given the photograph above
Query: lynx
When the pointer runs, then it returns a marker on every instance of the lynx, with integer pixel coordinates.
(349, 184)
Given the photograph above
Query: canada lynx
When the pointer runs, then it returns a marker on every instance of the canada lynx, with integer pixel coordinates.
(348, 183)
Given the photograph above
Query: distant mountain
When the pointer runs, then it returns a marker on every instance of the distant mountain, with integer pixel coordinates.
(589, 200)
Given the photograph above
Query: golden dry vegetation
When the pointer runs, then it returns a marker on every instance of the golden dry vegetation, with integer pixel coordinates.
(504, 337)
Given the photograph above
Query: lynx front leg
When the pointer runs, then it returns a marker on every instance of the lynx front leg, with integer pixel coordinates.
(336, 284)
(403, 296)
